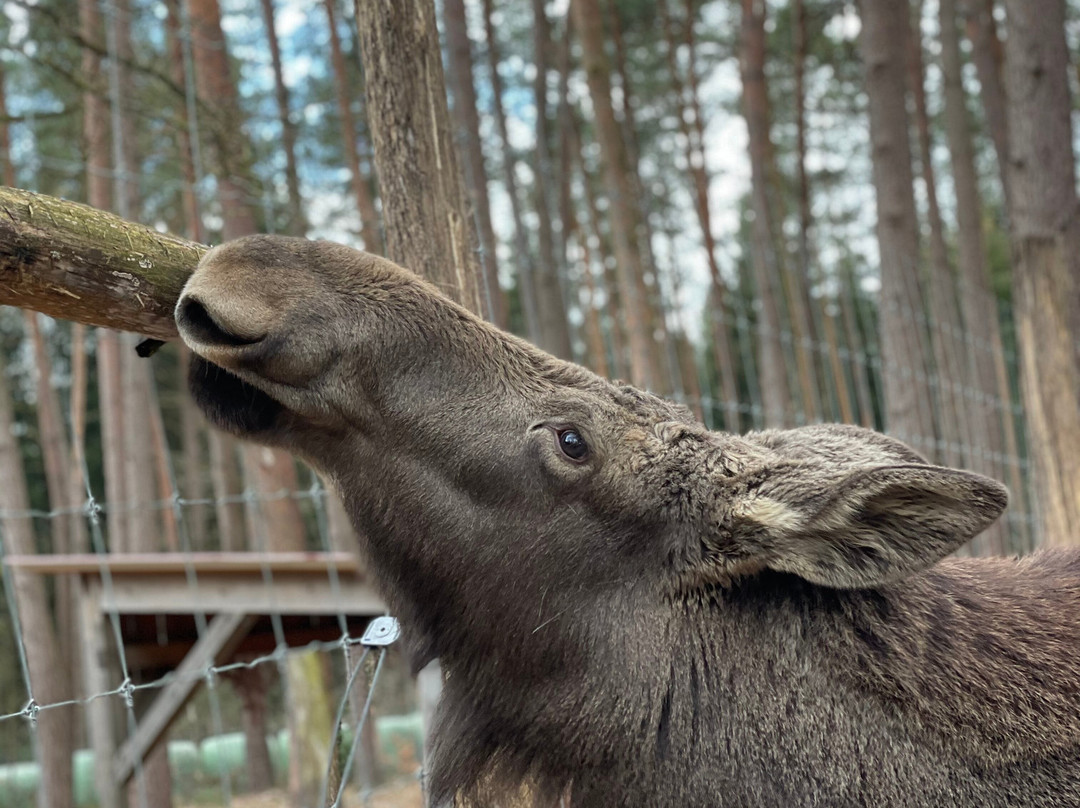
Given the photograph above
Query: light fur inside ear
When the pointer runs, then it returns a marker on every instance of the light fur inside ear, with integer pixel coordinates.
(771, 514)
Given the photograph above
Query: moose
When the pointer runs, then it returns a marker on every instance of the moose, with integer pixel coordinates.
(629, 608)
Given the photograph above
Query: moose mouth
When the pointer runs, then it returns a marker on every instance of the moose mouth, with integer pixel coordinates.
(229, 402)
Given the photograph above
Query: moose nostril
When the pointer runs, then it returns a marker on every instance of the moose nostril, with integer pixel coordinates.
(193, 318)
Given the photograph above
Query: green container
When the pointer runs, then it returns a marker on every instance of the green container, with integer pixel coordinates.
(223, 755)
(19, 783)
(82, 772)
(279, 754)
(184, 765)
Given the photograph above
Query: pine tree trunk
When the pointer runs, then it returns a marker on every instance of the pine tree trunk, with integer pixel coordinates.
(603, 282)
(991, 410)
(988, 55)
(53, 739)
(525, 265)
(297, 223)
(7, 167)
(772, 369)
(467, 120)
(904, 356)
(689, 109)
(636, 309)
(229, 150)
(66, 530)
(843, 395)
(595, 348)
(410, 130)
(946, 334)
(1044, 215)
(365, 204)
(550, 303)
(192, 426)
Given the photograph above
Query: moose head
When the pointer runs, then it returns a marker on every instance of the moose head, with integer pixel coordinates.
(527, 519)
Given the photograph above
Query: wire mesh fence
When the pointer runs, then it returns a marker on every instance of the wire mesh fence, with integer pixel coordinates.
(137, 664)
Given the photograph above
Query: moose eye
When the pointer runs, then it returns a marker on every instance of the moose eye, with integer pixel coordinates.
(572, 444)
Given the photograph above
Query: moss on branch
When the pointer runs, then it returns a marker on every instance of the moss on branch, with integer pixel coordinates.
(78, 263)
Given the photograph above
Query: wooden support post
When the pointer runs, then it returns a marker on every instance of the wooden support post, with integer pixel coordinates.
(214, 647)
(96, 678)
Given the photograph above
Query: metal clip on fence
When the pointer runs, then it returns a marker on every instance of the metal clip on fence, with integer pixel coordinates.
(381, 632)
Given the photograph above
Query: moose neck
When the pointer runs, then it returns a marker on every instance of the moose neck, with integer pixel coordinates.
(979, 654)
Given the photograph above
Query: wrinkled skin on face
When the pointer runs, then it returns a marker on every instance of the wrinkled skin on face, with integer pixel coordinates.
(585, 559)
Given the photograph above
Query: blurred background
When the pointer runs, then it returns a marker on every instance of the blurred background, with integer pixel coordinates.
(778, 213)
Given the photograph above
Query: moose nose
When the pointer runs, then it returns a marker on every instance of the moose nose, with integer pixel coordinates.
(197, 324)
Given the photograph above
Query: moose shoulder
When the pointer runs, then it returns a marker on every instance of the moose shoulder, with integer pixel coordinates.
(627, 604)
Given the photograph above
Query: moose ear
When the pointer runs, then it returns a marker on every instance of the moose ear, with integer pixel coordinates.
(876, 525)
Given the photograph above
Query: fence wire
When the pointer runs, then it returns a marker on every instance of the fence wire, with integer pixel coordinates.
(125, 689)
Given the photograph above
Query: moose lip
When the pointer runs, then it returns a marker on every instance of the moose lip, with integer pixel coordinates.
(229, 402)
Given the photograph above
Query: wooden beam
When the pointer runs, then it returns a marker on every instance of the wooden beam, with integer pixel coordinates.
(79, 263)
(215, 647)
(284, 593)
(181, 563)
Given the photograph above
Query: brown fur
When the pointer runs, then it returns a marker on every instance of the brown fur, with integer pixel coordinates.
(684, 618)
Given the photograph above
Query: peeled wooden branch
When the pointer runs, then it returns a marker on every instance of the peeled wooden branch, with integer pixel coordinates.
(79, 263)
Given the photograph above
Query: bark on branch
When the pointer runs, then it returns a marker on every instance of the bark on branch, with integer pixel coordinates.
(79, 263)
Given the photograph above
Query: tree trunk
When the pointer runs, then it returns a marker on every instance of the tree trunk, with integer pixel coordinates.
(988, 55)
(525, 265)
(946, 333)
(297, 223)
(251, 685)
(908, 410)
(844, 399)
(688, 110)
(7, 167)
(549, 279)
(991, 410)
(772, 367)
(229, 150)
(53, 739)
(68, 531)
(467, 120)
(595, 349)
(1044, 215)
(365, 203)
(409, 122)
(636, 311)
(193, 427)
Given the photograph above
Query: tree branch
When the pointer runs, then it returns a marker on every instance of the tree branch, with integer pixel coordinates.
(78, 263)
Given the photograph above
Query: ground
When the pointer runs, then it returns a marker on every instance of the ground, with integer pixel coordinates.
(402, 794)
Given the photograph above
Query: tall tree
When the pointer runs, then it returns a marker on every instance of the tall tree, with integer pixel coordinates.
(988, 56)
(525, 263)
(550, 277)
(467, 119)
(908, 411)
(43, 644)
(297, 222)
(946, 333)
(637, 313)
(229, 149)
(1046, 237)
(692, 128)
(772, 367)
(409, 121)
(268, 472)
(990, 409)
(365, 203)
(53, 741)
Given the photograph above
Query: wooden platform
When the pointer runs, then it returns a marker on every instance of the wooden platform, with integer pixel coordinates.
(184, 612)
